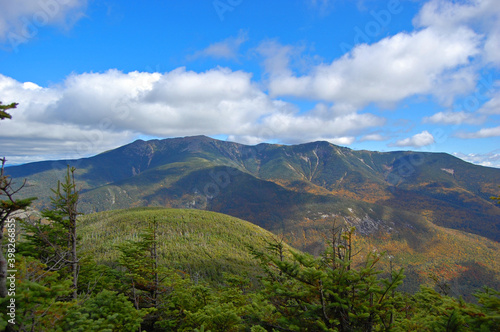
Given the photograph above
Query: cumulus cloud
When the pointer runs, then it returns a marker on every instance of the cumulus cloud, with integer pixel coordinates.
(419, 140)
(439, 58)
(20, 20)
(320, 126)
(227, 49)
(35, 134)
(482, 133)
(92, 112)
(483, 15)
(397, 67)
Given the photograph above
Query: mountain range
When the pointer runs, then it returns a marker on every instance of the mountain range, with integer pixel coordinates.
(415, 205)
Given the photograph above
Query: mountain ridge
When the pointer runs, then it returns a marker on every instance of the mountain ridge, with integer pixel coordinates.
(414, 205)
(320, 168)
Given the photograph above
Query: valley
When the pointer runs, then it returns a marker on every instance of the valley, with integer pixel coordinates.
(419, 207)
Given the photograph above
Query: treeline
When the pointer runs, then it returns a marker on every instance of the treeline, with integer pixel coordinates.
(58, 288)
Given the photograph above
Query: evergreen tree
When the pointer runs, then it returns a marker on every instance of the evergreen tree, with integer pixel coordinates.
(54, 240)
(7, 207)
(432, 311)
(39, 298)
(140, 260)
(328, 293)
(4, 108)
(106, 311)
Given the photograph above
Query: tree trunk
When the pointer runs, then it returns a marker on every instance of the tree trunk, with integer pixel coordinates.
(73, 214)
(154, 264)
(74, 265)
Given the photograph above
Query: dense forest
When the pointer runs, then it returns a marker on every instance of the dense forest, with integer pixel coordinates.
(174, 270)
(62, 284)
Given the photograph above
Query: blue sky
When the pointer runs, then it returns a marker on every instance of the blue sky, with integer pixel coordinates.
(379, 75)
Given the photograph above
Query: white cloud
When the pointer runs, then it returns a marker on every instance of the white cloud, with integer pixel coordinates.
(483, 15)
(419, 140)
(373, 137)
(407, 64)
(491, 159)
(346, 140)
(21, 20)
(226, 49)
(482, 133)
(448, 15)
(492, 47)
(320, 126)
(454, 118)
(92, 112)
(276, 58)
(491, 107)
(440, 58)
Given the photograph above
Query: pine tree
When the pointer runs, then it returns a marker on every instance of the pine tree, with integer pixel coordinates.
(106, 311)
(38, 298)
(4, 108)
(9, 205)
(140, 260)
(65, 212)
(328, 293)
(55, 240)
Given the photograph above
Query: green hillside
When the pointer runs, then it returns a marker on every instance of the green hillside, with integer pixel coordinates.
(219, 292)
(431, 210)
(183, 172)
(203, 244)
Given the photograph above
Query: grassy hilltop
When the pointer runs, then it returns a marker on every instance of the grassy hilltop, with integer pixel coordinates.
(205, 244)
(201, 243)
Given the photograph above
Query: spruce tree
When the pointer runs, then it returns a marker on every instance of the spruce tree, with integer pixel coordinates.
(106, 311)
(328, 293)
(4, 108)
(54, 240)
(142, 271)
(8, 204)
(38, 298)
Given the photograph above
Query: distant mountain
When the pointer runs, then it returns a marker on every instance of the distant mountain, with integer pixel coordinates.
(423, 208)
(201, 172)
